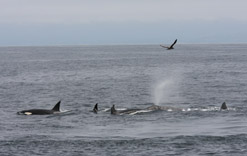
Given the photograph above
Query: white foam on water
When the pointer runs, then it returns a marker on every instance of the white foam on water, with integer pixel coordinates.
(141, 111)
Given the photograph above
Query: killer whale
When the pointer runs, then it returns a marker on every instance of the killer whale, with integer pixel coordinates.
(95, 109)
(127, 111)
(54, 110)
(224, 106)
(171, 47)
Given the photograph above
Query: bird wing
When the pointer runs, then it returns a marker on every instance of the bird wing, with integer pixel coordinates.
(164, 46)
(173, 43)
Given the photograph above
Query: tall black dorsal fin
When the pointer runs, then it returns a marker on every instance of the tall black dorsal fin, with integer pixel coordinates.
(113, 110)
(57, 107)
(95, 109)
(223, 106)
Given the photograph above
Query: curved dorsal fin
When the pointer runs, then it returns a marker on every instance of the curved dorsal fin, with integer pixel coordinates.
(113, 110)
(95, 109)
(223, 106)
(57, 107)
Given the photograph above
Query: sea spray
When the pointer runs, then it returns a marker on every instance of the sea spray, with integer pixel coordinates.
(166, 87)
(162, 91)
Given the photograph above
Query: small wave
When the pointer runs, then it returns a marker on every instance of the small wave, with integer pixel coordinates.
(208, 109)
(121, 109)
(109, 109)
(64, 111)
(106, 109)
(141, 111)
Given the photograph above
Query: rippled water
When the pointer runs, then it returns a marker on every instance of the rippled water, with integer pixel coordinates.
(197, 79)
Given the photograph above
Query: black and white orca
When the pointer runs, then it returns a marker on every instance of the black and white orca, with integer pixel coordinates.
(171, 46)
(54, 110)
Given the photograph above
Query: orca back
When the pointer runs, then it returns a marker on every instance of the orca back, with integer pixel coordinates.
(35, 112)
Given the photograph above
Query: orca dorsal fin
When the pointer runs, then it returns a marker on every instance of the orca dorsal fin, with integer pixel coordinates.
(113, 110)
(95, 109)
(223, 106)
(57, 107)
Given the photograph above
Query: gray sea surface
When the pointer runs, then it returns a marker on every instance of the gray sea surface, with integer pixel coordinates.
(196, 78)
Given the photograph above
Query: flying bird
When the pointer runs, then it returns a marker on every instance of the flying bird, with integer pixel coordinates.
(171, 47)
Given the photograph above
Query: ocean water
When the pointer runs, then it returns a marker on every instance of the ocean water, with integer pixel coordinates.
(194, 78)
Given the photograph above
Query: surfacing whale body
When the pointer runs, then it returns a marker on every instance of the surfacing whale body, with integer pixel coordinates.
(171, 47)
(127, 111)
(148, 109)
(157, 108)
(54, 110)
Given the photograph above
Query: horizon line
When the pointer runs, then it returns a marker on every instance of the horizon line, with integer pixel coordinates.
(117, 44)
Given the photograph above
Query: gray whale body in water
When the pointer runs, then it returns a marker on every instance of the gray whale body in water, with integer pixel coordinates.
(127, 111)
(151, 108)
(54, 110)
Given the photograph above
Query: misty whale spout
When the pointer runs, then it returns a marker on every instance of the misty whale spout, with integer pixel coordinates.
(54, 110)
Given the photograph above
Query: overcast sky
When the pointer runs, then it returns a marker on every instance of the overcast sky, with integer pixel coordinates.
(53, 22)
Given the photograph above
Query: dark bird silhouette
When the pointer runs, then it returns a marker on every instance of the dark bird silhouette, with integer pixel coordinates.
(171, 47)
